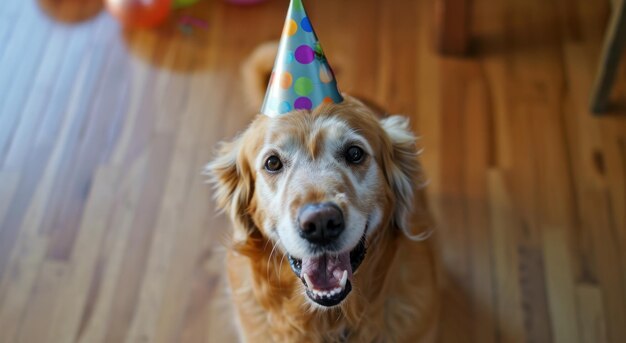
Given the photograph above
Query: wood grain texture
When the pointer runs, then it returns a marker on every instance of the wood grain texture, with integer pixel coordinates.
(453, 26)
(108, 231)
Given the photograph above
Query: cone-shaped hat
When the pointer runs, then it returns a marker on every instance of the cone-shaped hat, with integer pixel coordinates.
(302, 77)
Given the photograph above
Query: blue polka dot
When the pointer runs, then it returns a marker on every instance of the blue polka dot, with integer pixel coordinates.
(284, 107)
(305, 24)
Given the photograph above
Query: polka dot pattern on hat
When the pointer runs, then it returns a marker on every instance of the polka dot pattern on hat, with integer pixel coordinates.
(285, 80)
(306, 24)
(303, 103)
(284, 106)
(305, 54)
(302, 79)
(303, 86)
(291, 27)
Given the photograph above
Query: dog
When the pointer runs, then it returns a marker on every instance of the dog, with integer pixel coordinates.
(331, 224)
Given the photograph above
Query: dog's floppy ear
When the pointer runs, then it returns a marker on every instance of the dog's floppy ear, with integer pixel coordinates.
(233, 184)
(404, 175)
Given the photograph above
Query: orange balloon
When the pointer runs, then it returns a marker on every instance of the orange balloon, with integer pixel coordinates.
(140, 13)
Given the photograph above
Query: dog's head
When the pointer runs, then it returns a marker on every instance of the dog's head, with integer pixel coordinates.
(319, 185)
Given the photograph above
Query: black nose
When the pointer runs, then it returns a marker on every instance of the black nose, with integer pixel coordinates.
(320, 223)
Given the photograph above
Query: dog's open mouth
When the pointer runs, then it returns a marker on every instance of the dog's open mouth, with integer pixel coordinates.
(328, 277)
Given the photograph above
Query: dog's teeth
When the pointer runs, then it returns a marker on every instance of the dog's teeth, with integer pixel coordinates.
(308, 281)
(318, 293)
(344, 279)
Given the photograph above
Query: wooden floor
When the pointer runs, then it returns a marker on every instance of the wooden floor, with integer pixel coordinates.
(108, 233)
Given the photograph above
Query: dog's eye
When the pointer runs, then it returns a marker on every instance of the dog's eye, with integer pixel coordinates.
(273, 164)
(354, 155)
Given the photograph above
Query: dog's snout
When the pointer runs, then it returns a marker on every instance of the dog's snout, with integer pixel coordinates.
(320, 223)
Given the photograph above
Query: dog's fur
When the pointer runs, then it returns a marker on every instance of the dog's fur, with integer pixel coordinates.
(395, 290)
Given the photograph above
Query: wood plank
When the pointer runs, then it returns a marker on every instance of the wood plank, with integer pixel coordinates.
(505, 227)
(53, 136)
(8, 186)
(453, 26)
(596, 213)
(560, 286)
(457, 297)
(97, 132)
(537, 321)
(591, 312)
(23, 52)
(139, 240)
(104, 277)
(477, 158)
(427, 95)
(171, 213)
(73, 296)
(194, 250)
(25, 256)
(36, 324)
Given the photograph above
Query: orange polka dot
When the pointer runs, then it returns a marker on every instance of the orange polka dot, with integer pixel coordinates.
(290, 27)
(328, 100)
(285, 80)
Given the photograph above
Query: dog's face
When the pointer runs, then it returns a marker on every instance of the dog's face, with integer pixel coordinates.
(319, 190)
(319, 185)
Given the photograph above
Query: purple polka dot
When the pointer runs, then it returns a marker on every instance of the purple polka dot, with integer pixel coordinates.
(304, 54)
(303, 103)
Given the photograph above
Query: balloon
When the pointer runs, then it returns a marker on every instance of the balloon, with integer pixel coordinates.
(140, 13)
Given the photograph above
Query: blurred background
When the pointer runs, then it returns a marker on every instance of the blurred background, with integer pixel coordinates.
(108, 232)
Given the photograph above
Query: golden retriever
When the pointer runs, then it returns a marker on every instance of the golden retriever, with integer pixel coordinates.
(330, 224)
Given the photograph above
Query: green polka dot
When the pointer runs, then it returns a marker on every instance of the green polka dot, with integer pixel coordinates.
(297, 5)
(303, 86)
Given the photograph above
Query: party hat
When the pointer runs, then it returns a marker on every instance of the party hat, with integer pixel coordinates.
(302, 77)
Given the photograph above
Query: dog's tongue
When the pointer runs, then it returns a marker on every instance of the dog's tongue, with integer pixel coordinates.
(326, 272)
